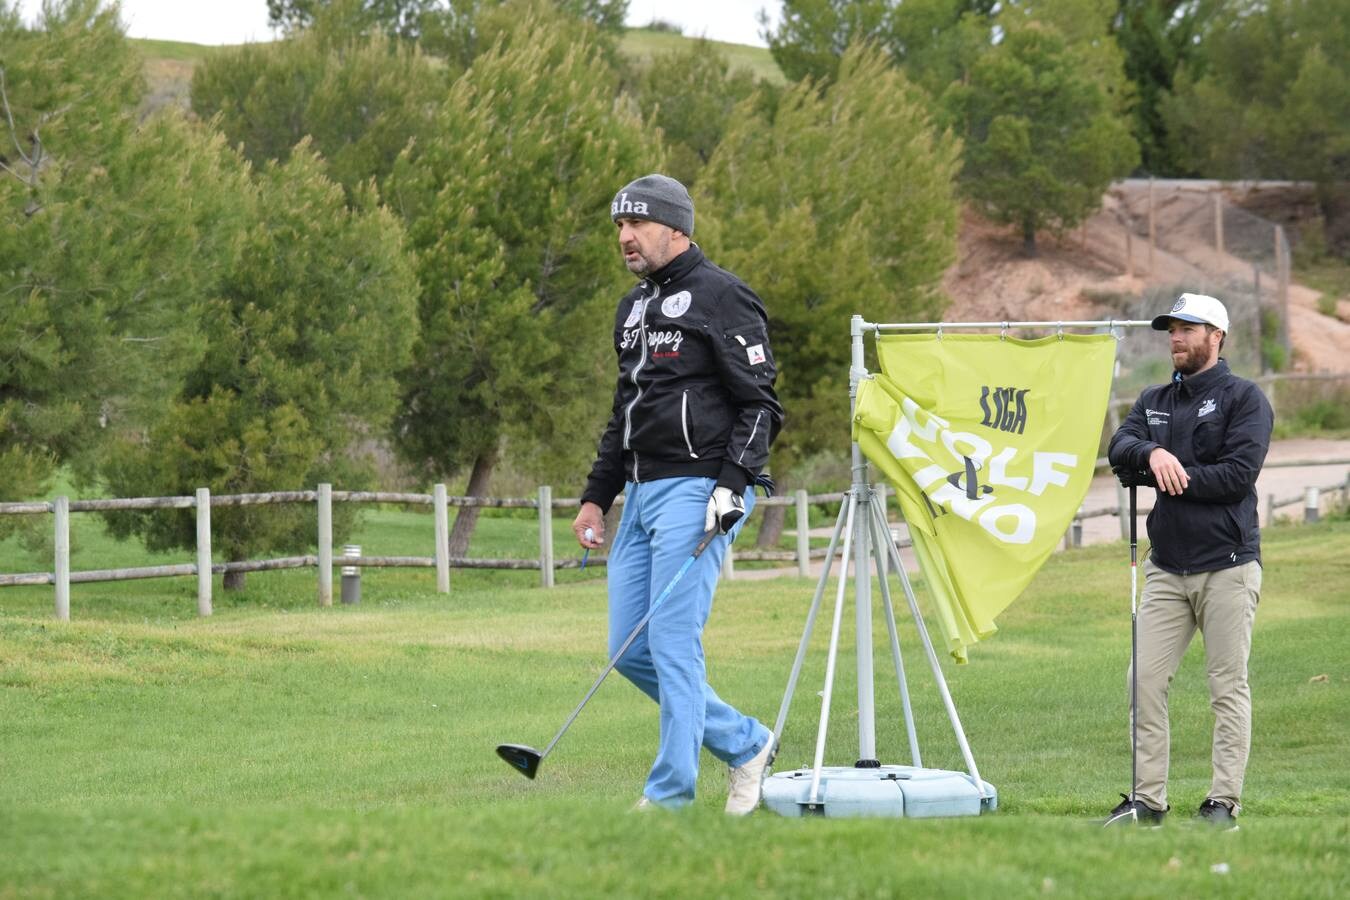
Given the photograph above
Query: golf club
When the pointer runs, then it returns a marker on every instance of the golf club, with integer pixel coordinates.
(1133, 813)
(525, 759)
(1134, 652)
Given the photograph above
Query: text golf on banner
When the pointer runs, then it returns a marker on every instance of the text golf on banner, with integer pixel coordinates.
(991, 444)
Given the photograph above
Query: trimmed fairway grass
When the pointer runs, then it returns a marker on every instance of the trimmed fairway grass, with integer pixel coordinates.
(279, 749)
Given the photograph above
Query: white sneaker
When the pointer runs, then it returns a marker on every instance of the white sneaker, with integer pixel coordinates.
(747, 780)
(645, 804)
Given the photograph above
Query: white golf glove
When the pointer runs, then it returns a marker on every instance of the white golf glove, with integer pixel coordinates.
(725, 509)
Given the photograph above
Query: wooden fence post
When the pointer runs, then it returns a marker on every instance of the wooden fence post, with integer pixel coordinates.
(1311, 505)
(440, 511)
(203, 551)
(1152, 226)
(803, 535)
(61, 507)
(728, 565)
(1270, 509)
(325, 503)
(545, 536)
(1218, 224)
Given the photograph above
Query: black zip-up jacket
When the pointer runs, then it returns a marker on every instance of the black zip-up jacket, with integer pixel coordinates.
(1218, 425)
(695, 393)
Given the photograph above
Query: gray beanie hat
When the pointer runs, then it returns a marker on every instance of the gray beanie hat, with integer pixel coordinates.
(657, 198)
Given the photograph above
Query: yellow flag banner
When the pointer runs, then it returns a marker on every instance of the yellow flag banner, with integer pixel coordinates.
(990, 443)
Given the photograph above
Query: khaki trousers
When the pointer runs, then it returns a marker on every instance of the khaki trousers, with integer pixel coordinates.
(1222, 605)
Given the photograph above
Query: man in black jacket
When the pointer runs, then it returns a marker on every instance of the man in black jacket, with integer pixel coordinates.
(1200, 440)
(693, 417)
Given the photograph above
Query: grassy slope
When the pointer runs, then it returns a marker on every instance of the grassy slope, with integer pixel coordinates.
(278, 749)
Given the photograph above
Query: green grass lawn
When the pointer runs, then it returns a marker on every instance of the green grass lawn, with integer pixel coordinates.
(279, 749)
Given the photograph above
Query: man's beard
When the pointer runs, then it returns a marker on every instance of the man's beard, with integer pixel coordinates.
(646, 263)
(1193, 361)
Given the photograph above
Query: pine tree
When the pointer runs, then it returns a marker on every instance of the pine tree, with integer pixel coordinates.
(110, 234)
(841, 204)
(508, 209)
(1043, 131)
(311, 317)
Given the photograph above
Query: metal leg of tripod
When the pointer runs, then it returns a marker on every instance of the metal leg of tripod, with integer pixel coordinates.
(936, 667)
(882, 533)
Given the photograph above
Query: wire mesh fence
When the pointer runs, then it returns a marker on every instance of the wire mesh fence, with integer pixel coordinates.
(1188, 236)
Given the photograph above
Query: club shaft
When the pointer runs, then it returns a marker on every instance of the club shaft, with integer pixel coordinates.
(1134, 648)
(632, 636)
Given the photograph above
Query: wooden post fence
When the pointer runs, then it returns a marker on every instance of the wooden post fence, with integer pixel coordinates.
(803, 535)
(440, 511)
(325, 550)
(61, 509)
(546, 536)
(204, 551)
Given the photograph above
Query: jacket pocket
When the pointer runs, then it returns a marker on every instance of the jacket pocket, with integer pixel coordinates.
(686, 425)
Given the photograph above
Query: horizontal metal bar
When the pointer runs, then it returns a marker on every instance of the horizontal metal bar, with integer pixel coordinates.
(949, 326)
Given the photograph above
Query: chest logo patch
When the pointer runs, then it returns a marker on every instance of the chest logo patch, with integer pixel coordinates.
(1205, 409)
(755, 353)
(636, 315)
(676, 305)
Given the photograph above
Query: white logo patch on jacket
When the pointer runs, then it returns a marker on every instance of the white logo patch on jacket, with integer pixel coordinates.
(1205, 409)
(676, 305)
(633, 317)
(755, 353)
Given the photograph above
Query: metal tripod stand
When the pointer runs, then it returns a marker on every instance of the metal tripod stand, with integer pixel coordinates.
(862, 527)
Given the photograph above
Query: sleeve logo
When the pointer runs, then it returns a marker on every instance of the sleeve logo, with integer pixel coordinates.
(755, 353)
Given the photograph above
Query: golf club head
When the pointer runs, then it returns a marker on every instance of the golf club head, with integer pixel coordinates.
(524, 760)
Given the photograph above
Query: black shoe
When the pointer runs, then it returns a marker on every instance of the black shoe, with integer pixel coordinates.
(1135, 812)
(1217, 814)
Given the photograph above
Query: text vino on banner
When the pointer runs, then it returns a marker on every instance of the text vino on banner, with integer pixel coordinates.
(990, 443)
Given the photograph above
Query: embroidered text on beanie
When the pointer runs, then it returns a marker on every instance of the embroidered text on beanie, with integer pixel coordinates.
(657, 198)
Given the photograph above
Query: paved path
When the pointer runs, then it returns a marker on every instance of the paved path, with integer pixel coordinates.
(1284, 483)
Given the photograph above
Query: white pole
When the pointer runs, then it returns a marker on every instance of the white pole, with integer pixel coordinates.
(546, 536)
(728, 565)
(439, 510)
(803, 535)
(813, 797)
(325, 503)
(61, 507)
(203, 551)
(1311, 505)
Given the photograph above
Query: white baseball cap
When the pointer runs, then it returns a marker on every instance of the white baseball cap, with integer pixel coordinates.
(1200, 308)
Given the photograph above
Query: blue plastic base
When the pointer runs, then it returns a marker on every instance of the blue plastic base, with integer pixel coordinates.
(888, 791)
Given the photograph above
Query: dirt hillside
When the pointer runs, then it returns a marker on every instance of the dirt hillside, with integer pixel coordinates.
(1085, 274)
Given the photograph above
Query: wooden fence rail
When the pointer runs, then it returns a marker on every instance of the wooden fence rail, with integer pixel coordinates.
(323, 498)
(204, 568)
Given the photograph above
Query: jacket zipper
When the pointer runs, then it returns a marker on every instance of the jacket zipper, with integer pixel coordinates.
(642, 361)
(684, 423)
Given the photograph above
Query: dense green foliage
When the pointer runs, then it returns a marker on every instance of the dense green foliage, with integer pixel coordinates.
(279, 749)
(873, 216)
(507, 204)
(359, 100)
(311, 318)
(1043, 137)
(110, 229)
(691, 94)
(1270, 98)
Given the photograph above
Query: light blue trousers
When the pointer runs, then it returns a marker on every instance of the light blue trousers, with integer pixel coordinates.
(661, 525)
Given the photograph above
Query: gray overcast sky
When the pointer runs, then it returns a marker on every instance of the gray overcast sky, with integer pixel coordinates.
(237, 21)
